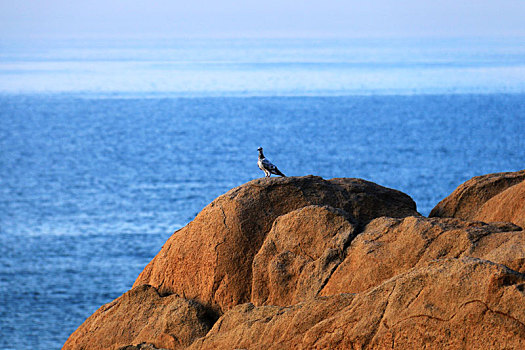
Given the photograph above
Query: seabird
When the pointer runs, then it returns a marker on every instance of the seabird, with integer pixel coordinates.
(266, 166)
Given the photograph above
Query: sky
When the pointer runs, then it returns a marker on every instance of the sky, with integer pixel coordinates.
(256, 18)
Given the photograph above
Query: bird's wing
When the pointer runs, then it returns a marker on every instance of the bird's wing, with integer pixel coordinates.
(268, 165)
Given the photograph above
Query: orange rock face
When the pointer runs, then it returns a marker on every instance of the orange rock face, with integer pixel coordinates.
(299, 255)
(389, 246)
(466, 200)
(451, 304)
(142, 315)
(508, 205)
(210, 259)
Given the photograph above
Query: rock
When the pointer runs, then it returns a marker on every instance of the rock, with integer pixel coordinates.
(298, 247)
(462, 303)
(210, 259)
(141, 346)
(299, 255)
(143, 316)
(390, 246)
(508, 205)
(271, 327)
(469, 197)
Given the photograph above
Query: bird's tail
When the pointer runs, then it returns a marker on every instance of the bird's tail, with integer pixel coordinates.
(278, 172)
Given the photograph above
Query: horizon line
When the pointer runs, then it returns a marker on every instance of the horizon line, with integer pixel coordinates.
(264, 36)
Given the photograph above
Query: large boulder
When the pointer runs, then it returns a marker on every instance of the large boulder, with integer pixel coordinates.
(210, 259)
(299, 255)
(508, 205)
(142, 315)
(391, 246)
(466, 200)
(462, 303)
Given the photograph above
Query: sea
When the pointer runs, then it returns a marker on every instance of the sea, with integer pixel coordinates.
(108, 146)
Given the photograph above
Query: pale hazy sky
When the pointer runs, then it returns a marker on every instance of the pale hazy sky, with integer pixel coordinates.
(268, 18)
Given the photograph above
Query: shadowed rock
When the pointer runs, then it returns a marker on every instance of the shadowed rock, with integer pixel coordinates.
(141, 346)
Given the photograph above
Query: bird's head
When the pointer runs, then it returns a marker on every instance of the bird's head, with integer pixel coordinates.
(259, 149)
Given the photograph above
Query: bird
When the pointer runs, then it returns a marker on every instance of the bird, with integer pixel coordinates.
(267, 166)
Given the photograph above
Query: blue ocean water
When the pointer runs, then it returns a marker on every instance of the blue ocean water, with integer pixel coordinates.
(106, 148)
(269, 67)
